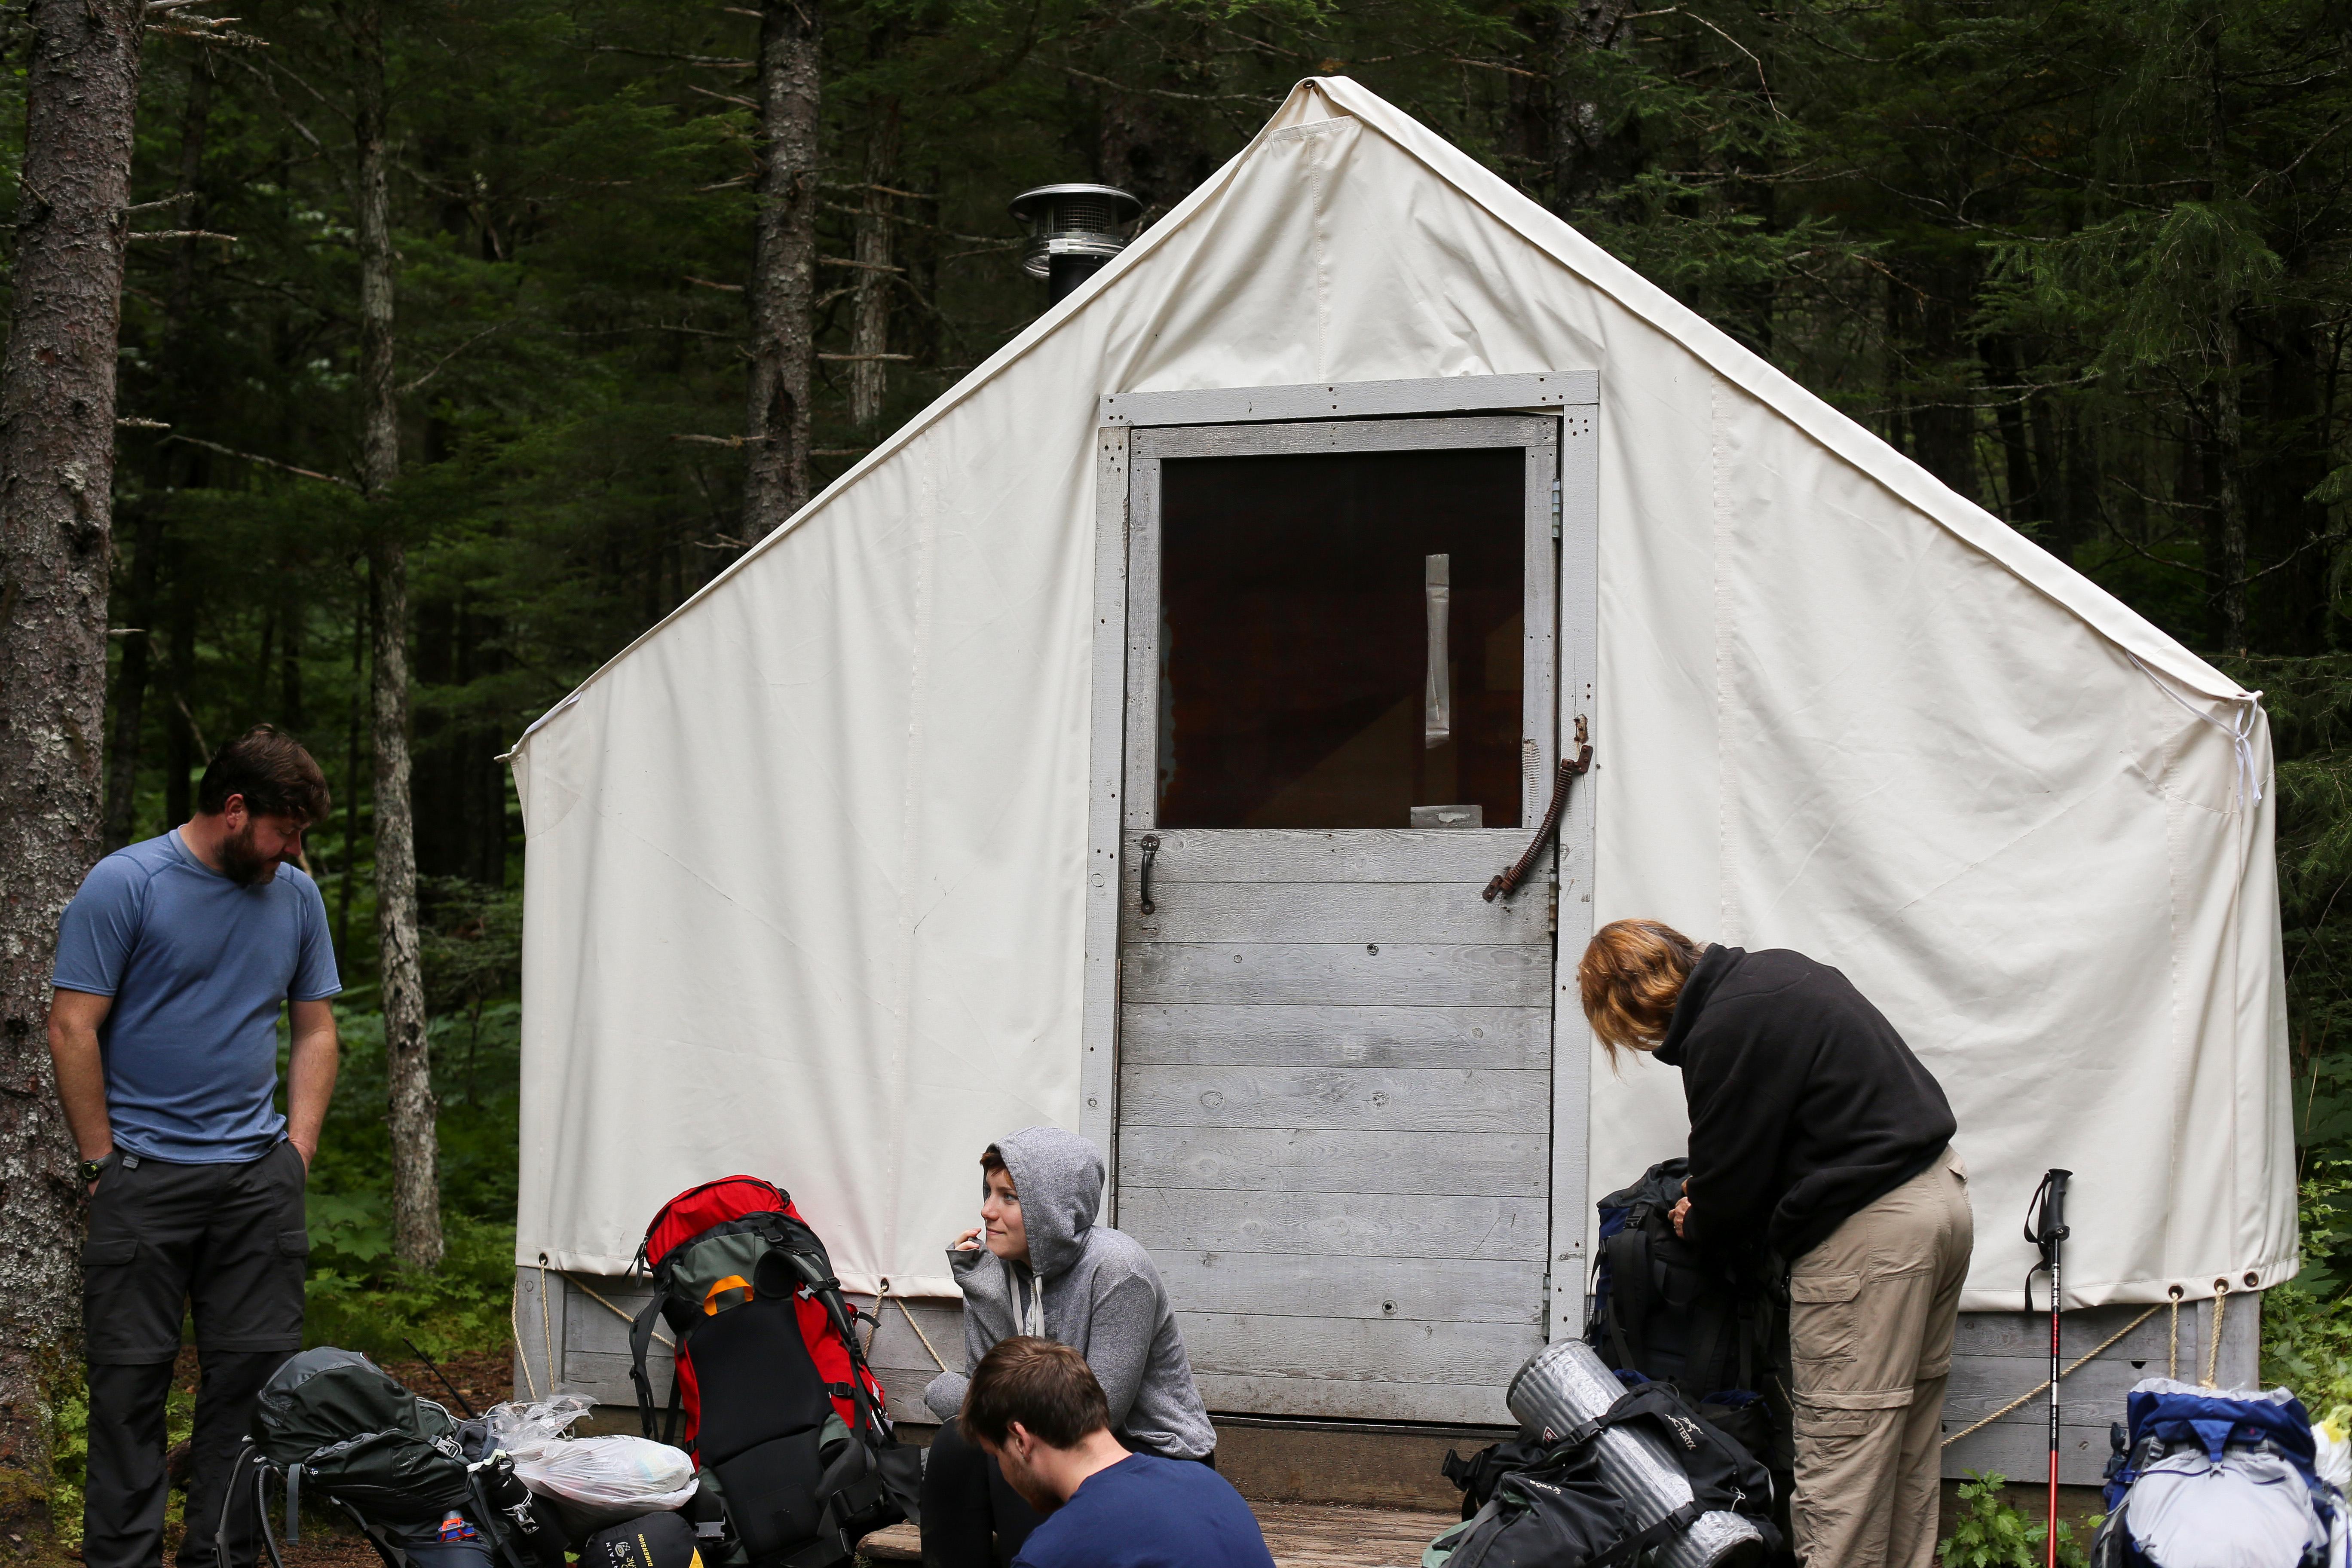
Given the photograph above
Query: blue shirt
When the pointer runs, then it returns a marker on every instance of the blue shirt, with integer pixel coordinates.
(198, 967)
(1149, 1512)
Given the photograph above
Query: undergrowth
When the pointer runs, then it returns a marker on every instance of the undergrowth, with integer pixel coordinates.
(1994, 1533)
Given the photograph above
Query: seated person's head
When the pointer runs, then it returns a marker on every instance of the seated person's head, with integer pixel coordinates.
(1035, 1406)
(999, 1210)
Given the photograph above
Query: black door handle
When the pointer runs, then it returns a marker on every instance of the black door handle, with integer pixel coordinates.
(1150, 853)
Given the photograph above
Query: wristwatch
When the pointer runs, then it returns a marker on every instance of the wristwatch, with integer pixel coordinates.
(91, 1170)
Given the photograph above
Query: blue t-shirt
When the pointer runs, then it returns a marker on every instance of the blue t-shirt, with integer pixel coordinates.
(1149, 1512)
(198, 967)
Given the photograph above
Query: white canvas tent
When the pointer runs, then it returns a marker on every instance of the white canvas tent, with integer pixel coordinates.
(809, 870)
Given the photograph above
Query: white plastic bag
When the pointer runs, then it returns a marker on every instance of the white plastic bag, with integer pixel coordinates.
(525, 1431)
(604, 1480)
(614, 1479)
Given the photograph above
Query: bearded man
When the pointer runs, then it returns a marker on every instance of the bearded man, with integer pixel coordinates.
(173, 962)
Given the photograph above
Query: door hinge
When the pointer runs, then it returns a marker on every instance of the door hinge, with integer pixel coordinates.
(1552, 916)
(1555, 509)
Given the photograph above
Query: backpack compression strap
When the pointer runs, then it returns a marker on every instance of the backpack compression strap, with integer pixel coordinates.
(1658, 1534)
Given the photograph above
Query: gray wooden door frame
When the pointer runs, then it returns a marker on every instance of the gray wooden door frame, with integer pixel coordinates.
(1568, 398)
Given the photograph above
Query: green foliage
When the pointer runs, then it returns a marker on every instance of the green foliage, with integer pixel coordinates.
(69, 1453)
(1994, 1533)
(362, 1300)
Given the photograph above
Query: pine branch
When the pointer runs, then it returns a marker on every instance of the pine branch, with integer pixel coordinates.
(265, 462)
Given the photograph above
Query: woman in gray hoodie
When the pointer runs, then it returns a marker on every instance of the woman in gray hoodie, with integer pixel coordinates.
(1039, 1264)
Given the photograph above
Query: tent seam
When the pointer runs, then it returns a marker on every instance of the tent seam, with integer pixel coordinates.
(1726, 651)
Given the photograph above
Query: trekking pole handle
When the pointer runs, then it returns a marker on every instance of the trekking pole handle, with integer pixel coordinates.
(2053, 1211)
(2045, 1222)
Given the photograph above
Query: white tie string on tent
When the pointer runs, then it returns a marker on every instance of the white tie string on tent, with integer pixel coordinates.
(2247, 788)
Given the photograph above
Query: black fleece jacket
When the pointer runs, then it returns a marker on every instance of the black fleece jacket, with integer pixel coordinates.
(1806, 1107)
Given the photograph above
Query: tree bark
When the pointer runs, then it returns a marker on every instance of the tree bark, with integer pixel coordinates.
(869, 327)
(131, 680)
(127, 722)
(783, 264)
(56, 474)
(1586, 158)
(409, 1063)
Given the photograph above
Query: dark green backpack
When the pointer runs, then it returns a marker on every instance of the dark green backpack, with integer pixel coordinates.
(332, 1422)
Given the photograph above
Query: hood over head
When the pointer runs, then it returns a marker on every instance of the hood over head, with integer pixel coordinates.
(1059, 1178)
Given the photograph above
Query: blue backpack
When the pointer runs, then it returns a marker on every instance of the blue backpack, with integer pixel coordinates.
(2164, 1419)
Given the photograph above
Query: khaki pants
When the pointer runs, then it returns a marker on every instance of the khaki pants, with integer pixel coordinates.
(1871, 1317)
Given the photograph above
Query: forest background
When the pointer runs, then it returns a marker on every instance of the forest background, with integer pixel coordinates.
(2087, 263)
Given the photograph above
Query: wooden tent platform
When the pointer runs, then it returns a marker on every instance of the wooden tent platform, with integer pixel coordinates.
(1299, 1534)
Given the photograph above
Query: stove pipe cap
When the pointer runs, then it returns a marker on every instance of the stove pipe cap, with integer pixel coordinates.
(1073, 220)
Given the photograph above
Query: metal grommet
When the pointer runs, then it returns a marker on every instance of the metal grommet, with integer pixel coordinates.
(2252, 1279)
(2175, 1292)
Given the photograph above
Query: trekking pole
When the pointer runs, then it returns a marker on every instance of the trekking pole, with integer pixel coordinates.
(448, 1387)
(2045, 1227)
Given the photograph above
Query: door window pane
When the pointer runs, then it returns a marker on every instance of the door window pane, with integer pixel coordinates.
(1305, 603)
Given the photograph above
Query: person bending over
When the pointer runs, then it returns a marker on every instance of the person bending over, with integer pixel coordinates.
(1039, 1265)
(1815, 1128)
(1036, 1409)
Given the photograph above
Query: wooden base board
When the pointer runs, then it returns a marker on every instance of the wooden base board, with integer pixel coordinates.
(1358, 1466)
(1299, 1535)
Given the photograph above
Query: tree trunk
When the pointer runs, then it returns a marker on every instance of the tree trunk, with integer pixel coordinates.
(869, 329)
(408, 1062)
(2228, 507)
(1586, 157)
(130, 681)
(128, 720)
(179, 724)
(783, 265)
(57, 475)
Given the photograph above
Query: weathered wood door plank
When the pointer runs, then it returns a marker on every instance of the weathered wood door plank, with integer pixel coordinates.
(1338, 973)
(1380, 1225)
(1333, 911)
(1367, 1350)
(1241, 1161)
(1467, 856)
(1403, 1290)
(1164, 1034)
(1431, 1100)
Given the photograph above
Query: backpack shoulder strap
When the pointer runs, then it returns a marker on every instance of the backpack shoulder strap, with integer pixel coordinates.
(641, 1339)
(1628, 1253)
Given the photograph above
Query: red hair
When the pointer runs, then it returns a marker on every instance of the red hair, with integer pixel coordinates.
(1631, 978)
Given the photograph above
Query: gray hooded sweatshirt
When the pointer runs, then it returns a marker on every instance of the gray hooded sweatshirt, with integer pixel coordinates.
(1085, 1286)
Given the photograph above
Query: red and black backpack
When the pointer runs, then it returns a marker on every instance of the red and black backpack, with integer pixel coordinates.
(783, 1417)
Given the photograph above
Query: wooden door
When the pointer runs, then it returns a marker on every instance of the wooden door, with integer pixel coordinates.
(1335, 1095)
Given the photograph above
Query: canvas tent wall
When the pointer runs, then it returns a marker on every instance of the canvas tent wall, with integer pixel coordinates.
(808, 863)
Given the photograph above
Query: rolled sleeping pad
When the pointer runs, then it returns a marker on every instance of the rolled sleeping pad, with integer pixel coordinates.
(1565, 1386)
